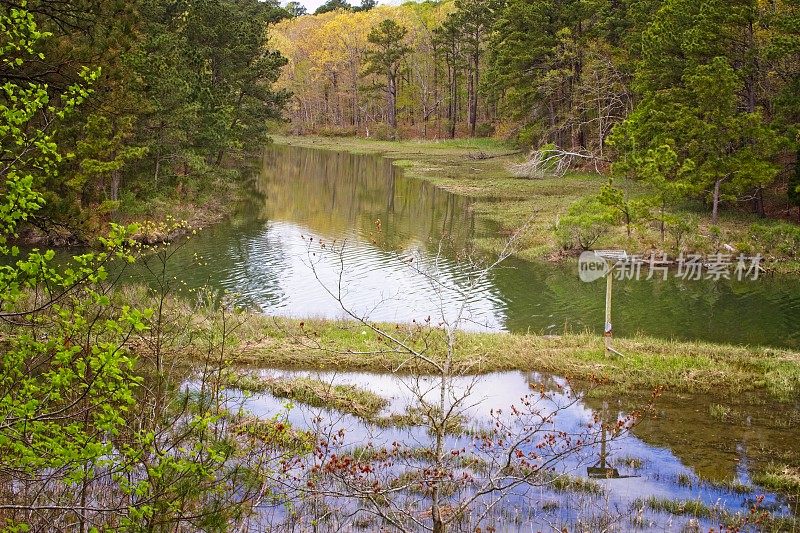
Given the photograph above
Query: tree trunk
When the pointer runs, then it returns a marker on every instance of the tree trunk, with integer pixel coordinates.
(115, 185)
(453, 110)
(470, 90)
(715, 206)
(758, 203)
(473, 103)
(392, 102)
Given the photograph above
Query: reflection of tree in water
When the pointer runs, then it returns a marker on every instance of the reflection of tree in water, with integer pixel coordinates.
(755, 428)
(539, 295)
(335, 193)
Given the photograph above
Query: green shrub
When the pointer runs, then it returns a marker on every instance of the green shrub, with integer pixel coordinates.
(484, 130)
(782, 238)
(530, 135)
(715, 235)
(384, 132)
(585, 222)
(679, 227)
(744, 247)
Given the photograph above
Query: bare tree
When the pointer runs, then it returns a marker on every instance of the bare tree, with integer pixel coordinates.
(456, 475)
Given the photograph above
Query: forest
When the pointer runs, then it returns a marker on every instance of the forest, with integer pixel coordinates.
(640, 86)
(175, 97)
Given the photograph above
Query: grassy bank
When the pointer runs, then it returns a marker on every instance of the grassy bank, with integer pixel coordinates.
(316, 393)
(480, 169)
(757, 518)
(647, 363)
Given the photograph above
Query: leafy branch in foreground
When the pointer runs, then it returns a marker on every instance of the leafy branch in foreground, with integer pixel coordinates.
(97, 429)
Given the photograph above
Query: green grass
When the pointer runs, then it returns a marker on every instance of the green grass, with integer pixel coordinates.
(719, 411)
(317, 393)
(762, 520)
(693, 508)
(480, 169)
(572, 484)
(270, 342)
(779, 478)
(350, 399)
(729, 485)
(647, 363)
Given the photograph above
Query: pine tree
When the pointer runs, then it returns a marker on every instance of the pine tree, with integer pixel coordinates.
(385, 57)
(536, 55)
(693, 79)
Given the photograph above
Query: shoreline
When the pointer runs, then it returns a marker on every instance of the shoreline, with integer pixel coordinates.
(478, 170)
(718, 370)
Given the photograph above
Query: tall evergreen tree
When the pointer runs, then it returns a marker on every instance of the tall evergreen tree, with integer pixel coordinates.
(385, 57)
(694, 81)
(535, 62)
(475, 19)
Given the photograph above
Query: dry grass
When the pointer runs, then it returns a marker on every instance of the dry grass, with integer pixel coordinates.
(317, 393)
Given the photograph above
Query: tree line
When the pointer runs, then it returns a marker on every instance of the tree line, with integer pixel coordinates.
(181, 90)
(701, 99)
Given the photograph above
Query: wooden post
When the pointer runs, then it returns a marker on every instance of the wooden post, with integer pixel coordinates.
(608, 330)
(603, 452)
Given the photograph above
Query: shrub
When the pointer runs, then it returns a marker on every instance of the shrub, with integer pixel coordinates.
(781, 238)
(384, 132)
(585, 222)
(530, 135)
(679, 227)
(715, 236)
(484, 130)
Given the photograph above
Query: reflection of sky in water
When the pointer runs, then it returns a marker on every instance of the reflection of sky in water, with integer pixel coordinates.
(283, 270)
(260, 253)
(658, 476)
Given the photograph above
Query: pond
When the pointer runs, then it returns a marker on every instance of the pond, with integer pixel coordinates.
(326, 230)
(680, 452)
(390, 232)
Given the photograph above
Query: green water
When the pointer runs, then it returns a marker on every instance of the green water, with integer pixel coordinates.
(386, 222)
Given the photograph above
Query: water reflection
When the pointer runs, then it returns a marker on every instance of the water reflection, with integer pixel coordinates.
(285, 272)
(694, 465)
(387, 218)
(338, 194)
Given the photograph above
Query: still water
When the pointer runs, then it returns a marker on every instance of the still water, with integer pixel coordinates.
(677, 452)
(394, 249)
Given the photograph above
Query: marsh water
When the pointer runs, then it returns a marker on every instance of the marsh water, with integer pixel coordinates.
(677, 453)
(388, 232)
(325, 229)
